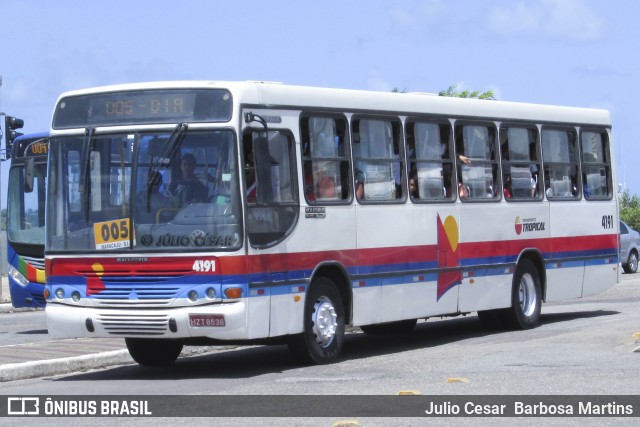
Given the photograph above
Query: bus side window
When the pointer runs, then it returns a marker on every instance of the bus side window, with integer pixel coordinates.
(596, 170)
(430, 161)
(477, 161)
(378, 160)
(520, 162)
(561, 163)
(324, 159)
(271, 190)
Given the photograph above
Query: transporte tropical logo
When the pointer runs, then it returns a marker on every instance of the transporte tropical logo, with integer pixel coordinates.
(518, 226)
(529, 225)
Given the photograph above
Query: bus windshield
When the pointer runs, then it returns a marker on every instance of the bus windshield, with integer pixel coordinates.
(26, 197)
(149, 191)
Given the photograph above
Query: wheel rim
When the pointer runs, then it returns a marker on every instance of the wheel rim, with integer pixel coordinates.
(325, 321)
(527, 294)
(633, 262)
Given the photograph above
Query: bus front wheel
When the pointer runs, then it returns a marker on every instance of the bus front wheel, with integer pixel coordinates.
(153, 352)
(526, 298)
(323, 331)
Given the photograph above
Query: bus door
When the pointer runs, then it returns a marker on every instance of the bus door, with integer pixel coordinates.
(565, 266)
(433, 218)
(272, 209)
(389, 245)
(484, 248)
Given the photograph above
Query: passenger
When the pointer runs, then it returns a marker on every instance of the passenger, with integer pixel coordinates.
(359, 186)
(327, 187)
(508, 192)
(188, 189)
(413, 188)
(359, 190)
(463, 191)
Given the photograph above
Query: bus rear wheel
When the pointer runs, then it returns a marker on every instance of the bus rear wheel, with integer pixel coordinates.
(323, 331)
(153, 352)
(526, 298)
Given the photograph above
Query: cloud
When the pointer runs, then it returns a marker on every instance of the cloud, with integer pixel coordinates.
(419, 19)
(571, 20)
(376, 82)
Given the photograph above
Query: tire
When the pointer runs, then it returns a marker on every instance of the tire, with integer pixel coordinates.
(390, 328)
(323, 331)
(632, 263)
(153, 352)
(526, 298)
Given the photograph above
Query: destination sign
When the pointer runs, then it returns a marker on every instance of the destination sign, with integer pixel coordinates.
(143, 107)
(40, 148)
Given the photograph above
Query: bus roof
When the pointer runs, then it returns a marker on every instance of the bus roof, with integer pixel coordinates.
(277, 95)
(32, 136)
(24, 142)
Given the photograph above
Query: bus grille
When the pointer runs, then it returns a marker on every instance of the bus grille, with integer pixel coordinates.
(36, 262)
(136, 294)
(134, 324)
(124, 291)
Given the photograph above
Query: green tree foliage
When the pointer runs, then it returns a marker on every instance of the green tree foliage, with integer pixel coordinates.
(452, 91)
(630, 208)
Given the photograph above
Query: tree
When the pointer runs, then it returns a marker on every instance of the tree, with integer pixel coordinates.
(630, 208)
(467, 93)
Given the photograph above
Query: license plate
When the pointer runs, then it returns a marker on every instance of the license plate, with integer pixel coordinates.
(206, 320)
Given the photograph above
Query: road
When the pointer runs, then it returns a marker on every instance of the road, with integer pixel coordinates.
(583, 347)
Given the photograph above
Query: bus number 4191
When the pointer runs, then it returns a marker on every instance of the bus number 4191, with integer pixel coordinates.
(204, 265)
(607, 222)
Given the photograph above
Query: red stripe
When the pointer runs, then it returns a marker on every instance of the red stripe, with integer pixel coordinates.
(236, 265)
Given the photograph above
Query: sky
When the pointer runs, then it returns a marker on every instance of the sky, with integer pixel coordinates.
(581, 53)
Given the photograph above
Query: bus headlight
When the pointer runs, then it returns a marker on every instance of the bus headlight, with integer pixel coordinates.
(17, 276)
(211, 293)
(193, 296)
(60, 293)
(75, 296)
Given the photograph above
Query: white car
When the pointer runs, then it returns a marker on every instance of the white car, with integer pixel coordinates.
(629, 244)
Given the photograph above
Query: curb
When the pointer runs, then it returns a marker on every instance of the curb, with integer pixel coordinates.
(40, 368)
(6, 307)
(71, 365)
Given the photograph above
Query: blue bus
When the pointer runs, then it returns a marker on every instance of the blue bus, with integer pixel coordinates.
(25, 219)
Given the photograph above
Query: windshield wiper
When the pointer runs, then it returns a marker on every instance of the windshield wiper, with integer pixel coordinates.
(85, 169)
(166, 153)
(163, 158)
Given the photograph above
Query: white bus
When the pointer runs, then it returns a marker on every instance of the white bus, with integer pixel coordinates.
(187, 213)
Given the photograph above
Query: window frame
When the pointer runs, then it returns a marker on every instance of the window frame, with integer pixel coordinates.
(294, 205)
(347, 193)
(413, 161)
(398, 132)
(575, 164)
(458, 136)
(606, 164)
(506, 163)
